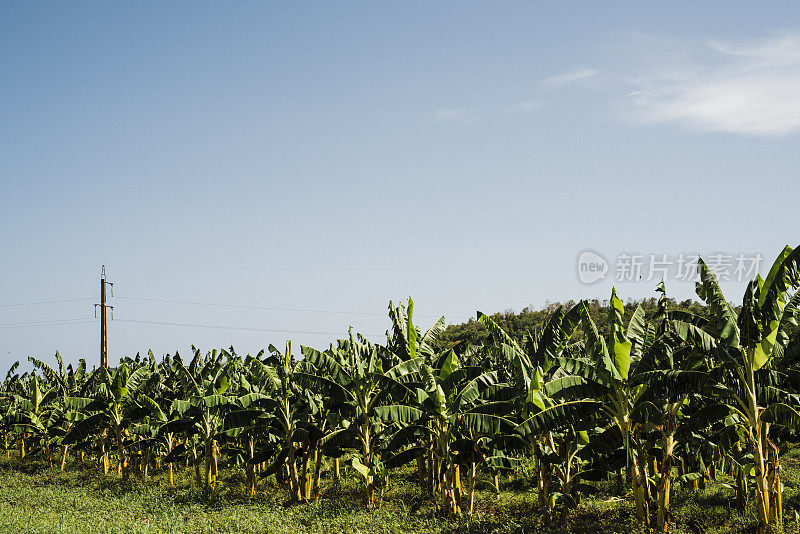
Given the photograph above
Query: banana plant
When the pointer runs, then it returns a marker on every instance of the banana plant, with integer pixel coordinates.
(605, 372)
(201, 411)
(35, 415)
(8, 406)
(245, 430)
(111, 408)
(745, 345)
(537, 380)
(358, 377)
(406, 340)
(278, 409)
(457, 421)
(679, 399)
(150, 429)
(68, 382)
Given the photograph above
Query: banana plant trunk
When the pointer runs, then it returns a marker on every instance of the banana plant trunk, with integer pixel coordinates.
(421, 471)
(367, 454)
(145, 462)
(665, 484)
(472, 476)
(305, 486)
(208, 463)
(214, 461)
(64, 456)
(663, 502)
(251, 479)
(317, 475)
(198, 478)
(250, 469)
(762, 492)
(639, 488)
(294, 479)
(122, 470)
(775, 485)
(448, 492)
(765, 524)
(432, 473)
(543, 480)
(170, 441)
(103, 460)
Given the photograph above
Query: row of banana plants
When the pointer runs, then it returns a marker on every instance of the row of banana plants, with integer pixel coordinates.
(671, 398)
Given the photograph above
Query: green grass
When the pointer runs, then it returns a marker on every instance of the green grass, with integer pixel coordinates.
(35, 498)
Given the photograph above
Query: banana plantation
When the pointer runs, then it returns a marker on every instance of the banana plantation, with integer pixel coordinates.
(657, 401)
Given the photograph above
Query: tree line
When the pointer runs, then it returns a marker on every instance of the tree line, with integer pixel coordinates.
(473, 332)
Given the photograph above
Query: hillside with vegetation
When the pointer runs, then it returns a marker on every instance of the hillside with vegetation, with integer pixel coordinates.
(473, 332)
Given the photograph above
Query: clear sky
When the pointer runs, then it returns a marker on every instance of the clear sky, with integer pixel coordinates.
(299, 164)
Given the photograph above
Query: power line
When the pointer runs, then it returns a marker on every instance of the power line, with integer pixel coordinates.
(271, 308)
(43, 269)
(297, 269)
(220, 327)
(42, 302)
(55, 322)
(211, 304)
(341, 269)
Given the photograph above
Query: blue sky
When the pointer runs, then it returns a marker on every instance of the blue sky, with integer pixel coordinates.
(301, 164)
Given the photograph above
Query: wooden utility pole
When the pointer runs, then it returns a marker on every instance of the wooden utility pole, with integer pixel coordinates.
(103, 326)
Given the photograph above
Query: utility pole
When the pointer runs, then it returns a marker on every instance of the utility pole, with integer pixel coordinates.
(103, 327)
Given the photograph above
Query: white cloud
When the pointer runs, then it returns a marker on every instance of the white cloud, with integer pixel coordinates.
(455, 115)
(751, 88)
(569, 77)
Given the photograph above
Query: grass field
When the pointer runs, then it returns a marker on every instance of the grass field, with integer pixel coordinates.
(35, 498)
